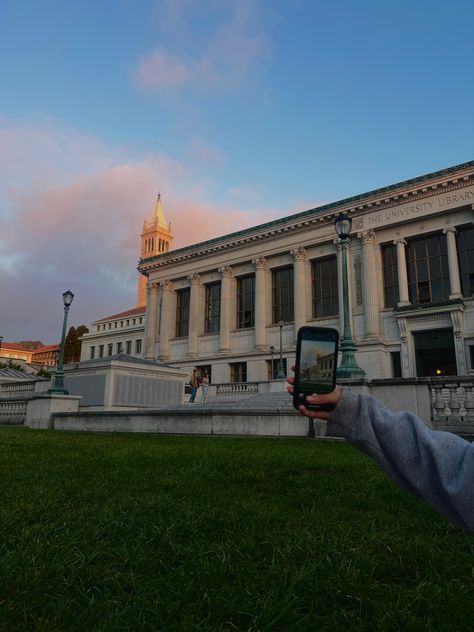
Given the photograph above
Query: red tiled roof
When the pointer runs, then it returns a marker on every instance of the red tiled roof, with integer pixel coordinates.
(136, 311)
(46, 348)
(14, 346)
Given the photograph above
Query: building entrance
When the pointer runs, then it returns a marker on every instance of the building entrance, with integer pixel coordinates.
(434, 353)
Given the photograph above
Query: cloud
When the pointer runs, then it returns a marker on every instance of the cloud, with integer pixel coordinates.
(78, 225)
(229, 57)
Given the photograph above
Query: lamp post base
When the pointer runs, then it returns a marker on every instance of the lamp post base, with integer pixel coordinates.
(349, 369)
(57, 384)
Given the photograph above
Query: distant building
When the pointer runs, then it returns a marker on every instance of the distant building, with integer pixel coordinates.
(41, 357)
(218, 304)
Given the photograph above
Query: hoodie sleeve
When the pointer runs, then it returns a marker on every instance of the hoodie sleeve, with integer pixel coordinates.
(437, 467)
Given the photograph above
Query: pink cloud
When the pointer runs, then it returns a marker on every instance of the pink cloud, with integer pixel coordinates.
(231, 54)
(79, 225)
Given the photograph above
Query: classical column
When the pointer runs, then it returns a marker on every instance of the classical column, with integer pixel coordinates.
(194, 314)
(166, 288)
(260, 307)
(224, 326)
(299, 269)
(453, 263)
(369, 285)
(402, 272)
(151, 319)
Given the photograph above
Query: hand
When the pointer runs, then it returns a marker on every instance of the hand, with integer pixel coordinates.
(315, 399)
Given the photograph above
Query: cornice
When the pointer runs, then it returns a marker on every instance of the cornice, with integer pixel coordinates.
(452, 178)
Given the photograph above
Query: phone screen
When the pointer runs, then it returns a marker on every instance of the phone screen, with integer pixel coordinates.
(316, 362)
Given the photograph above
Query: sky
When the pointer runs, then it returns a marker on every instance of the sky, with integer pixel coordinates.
(236, 111)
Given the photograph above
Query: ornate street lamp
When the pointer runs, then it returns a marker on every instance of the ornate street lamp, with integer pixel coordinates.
(1, 340)
(57, 381)
(272, 372)
(281, 371)
(348, 367)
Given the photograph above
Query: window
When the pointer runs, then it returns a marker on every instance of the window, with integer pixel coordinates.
(465, 244)
(128, 347)
(390, 275)
(138, 345)
(213, 307)
(128, 323)
(246, 302)
(92, 353)
(119, 347)
(101, 351)
(395, 360)
(238, 372)
(427, 267)
(182, 313)
(471, 356)
(203, 369)
(109, 349)
(116, 324)
(282, 295)
(325, 288)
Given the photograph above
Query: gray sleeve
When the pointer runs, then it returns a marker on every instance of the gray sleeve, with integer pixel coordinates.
(437, 467)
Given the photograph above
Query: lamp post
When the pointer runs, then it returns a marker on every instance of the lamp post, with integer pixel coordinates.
(1, 340)
(57, 381)
(348, 367)
(281, 372)
(272, 372)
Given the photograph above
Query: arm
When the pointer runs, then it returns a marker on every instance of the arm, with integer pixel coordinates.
(437, 467)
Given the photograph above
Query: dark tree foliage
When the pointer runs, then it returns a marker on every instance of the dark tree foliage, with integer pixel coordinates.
(72, 344)
(30, 344)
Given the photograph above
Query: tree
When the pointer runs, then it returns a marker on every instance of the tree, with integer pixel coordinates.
(72, 344)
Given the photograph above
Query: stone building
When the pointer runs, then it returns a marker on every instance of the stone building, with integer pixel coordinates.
(225, 304)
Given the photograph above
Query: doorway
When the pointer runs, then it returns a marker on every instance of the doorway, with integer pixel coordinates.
(434, 353)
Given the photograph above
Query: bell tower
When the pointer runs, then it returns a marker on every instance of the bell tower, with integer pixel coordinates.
(156, 239)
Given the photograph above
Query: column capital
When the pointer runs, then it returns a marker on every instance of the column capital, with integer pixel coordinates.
(449, 229)
(399, 240)
(299, 253)
(367, 237)
(195, 278)
(260, 263)
(166, 285)
(226, 271)
(152, 287)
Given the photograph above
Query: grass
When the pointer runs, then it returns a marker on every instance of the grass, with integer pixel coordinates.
(127, 532)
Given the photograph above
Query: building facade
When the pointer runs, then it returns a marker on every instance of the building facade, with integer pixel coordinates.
(233, 305)
(121, 333)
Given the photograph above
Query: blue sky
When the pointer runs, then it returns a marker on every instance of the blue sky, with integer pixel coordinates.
(236, 111)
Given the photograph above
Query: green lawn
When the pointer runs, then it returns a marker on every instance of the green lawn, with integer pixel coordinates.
(127, 532)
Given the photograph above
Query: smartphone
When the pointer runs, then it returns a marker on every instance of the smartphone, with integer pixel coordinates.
(316, 363)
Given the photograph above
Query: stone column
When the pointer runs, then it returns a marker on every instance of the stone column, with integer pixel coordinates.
(151, 320)
(224, 327)
(369, 285)
(299, 272)
(457, 319)
(166, 288)
(453, 264)
(402, 272)
(194, 314)
(260, 307)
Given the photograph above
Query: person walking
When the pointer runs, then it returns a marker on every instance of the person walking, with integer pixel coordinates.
(194, 383)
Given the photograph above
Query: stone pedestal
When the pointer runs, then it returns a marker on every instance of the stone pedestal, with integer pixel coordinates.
(41, 407)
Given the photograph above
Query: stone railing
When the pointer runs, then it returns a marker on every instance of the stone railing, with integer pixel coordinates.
(236, 389)
(17, 389)
(13, 411)
(453, 404)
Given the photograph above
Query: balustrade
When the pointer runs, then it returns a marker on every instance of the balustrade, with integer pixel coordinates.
(453, 405)
(13, 411)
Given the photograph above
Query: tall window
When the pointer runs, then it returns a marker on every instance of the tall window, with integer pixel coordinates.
(109, 349)
(101, 351)
(213, 307)
(427, 267)
(128, 347)
(182, 312)
(92, 353)
(465, 243)
(119, 347)
(325, 294)
(238, 372)
(390, 275)
(246, 302)
(138, 345)
(282, 295)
